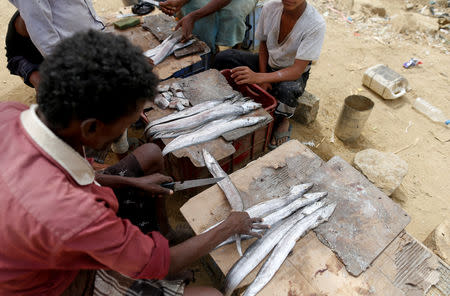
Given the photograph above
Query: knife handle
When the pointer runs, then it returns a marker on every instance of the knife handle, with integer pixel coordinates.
(168, 185)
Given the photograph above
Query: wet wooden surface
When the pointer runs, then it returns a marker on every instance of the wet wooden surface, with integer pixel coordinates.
(365, 220)
(313, 268)
(145, 40)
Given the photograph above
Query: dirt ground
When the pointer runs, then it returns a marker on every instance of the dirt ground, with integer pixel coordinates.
(351, 46)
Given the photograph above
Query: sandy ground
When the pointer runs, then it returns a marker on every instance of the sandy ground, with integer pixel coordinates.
(424, 193)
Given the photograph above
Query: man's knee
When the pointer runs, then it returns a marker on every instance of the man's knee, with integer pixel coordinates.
(225, 59)
(150, 158)
(289, 90)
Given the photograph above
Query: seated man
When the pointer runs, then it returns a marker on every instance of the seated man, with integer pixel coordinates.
(291, 35)
(36, 28)
(216, 22)
(55, 219)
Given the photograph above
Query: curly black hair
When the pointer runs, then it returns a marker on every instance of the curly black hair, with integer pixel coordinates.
(94, 75)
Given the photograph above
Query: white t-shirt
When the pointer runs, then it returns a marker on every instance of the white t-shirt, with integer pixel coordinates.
(304, 42)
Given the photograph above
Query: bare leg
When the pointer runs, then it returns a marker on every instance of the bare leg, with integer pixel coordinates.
(201, 291)
(151, 161)
(150, 158)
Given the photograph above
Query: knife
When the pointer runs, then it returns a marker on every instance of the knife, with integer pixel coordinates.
(176, 186)
(154, 2)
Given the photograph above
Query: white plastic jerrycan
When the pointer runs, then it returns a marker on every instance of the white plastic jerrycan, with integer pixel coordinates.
(385, 82)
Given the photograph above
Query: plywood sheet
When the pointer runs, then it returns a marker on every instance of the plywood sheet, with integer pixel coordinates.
(145, 40)
(365, 220)
(206, 86)
(413, 268)
(160, 25)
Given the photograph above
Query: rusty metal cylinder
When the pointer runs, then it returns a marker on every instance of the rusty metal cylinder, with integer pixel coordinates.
(353, 116)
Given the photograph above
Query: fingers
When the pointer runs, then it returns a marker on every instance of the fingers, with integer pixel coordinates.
(240, 68)
(163, 179)
(237, 72)
(161, 191)
(256, 220)
(255, 234)
(260, 226)
(243, 79)
(179, 24)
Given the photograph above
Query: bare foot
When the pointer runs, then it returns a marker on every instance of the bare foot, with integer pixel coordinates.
(281, 128)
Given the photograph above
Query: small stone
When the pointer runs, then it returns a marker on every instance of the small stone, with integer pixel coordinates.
(384, 170)
(409, 6)
(439, 241)
(308, 107)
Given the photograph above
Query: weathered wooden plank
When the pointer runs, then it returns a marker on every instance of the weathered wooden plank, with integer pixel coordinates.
(145, 40)
(160, 25)
(365, 220)
(321, 268)
(206, 86)
(413, 268)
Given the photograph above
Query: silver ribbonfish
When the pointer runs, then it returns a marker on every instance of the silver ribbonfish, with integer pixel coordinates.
(264, 208)
(210, 132)
(217, 112)
(306, 211)
(232, 194)
(286, 244)
(258, 251)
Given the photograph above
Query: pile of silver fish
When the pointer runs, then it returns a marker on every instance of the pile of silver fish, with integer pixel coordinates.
(290, 217)
(167, 47)
(278, 241)
(171, 96)
(203, 122)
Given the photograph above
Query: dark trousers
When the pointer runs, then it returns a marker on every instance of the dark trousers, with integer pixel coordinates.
(22, 56)
(134, 205)
(286, 92)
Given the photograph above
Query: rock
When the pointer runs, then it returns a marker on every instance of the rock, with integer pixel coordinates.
(371, 7)
(344, 5)
(308, 107)
(385, 170)
(409, 6)
(439, 241)
(413, 22)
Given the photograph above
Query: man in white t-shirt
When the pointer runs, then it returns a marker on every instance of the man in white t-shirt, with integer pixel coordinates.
(291, 34)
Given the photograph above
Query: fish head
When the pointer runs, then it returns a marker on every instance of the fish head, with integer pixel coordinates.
(301, 188)
(314, 195)
(308, 210)
(255, 119)
(250, 106)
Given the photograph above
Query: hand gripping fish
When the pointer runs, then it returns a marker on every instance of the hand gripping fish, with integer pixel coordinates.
(276, 205)
(228, 188)
(284, 212)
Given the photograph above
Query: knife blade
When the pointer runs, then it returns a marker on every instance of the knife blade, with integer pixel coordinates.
(182, 185)
(154, 2)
